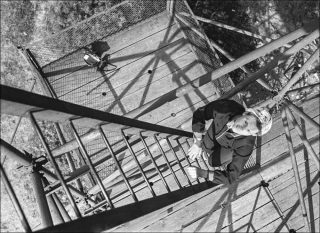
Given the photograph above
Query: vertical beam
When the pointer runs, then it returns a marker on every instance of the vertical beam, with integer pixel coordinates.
(284, 114)
(118, 164)
(178, 161)
(154, 162)
(89, 162)
(61, 208)
(56, 215)
(138, 164)
(55, 165)
(170, 6)
(14, 200)
(44, 211)
(303, 138)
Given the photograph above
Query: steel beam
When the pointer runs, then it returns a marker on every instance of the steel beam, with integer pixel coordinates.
(303, 138)
(44, 211)
(284, 115)
(14, 200)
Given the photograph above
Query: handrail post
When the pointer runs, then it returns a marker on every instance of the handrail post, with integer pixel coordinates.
(14, 200)
(303, 138)
(167, 161)
(44, 211)
(154, 162)
(118, 164)
(138, 164)
(284, 115)
(178, 161)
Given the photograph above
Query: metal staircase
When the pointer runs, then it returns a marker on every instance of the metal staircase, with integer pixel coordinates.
(155, 156)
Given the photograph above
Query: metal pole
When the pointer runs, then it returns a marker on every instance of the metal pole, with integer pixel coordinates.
(55, 165)
(154, 162)
(303, 138)
(218, 24)
(167, 161)
(61, 208)
(185, 155)
(118, 164)
(295, 167)
(44, 211)
(178, 161)
(137, 162)
(14, 200)
(302, 114)
(56, 215)
(89, 162)
(275, 62)
(305, 87)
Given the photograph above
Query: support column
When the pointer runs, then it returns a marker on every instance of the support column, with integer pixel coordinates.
(56, 215)
(36, 178)
(284, 115)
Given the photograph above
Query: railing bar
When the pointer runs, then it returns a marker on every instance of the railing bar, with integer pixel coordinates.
(284, 115)
(167, 161)
(137, 162)
(303, 138)
(185, 155)
(89, 162)
(14, 200)
(117, 164)
(55, 165)
(154, 162)
(177, 158)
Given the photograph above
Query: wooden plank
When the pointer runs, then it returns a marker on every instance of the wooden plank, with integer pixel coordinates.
(91, 94)
(217, 194)
(276, 224)
(138, 75)
(257, 219)
(287, 179)
(125, 57)
(287, 197)
(272, 172)
(294, 215)
(156, 89)
(186, 102)
(231, 212)
(120, 40)
(209, 204)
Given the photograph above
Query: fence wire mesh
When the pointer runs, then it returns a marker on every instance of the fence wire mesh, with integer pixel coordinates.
(97, 27)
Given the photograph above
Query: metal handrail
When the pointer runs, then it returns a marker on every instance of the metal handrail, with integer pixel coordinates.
(31, 101)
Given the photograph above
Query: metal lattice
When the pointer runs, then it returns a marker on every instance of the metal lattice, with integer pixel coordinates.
(203, 50)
